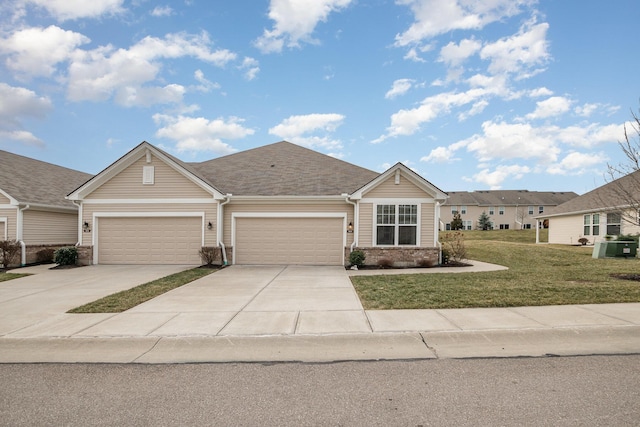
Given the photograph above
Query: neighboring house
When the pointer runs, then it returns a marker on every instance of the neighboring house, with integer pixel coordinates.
(33, 208)
(277, 204)
(611, 209)
(507, 209)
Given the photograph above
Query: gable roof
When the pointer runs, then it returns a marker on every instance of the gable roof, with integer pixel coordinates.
(31, 181)
(283, 169)
(413, 177)
(133, 155)
(509, 198)
(614, 194)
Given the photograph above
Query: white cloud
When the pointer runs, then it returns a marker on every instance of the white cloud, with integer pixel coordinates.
(399, 87)
(251, 68)
(37, 51)
(201, 134)
(295, 21)
(63, 10)
(440, 155)
(296, 128)
(539, 92)
(159, 11)
(517, 54)
(551, 107)
(455, 54)
(576, 163)
(495, 178)
(435, 17)
(205, 85)
(21, 136)
(147, 96)
(17, 103)
(97, 74)
(588, 135)
(587, 109)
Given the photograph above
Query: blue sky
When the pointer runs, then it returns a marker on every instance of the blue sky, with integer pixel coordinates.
(471, 94)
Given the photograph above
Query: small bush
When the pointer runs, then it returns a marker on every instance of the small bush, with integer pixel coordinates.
(385, 263)
(209, 254)
(357, 257)
(45, 256)
(66, 256)
(9, 250)
(583, 241)
(454, 243)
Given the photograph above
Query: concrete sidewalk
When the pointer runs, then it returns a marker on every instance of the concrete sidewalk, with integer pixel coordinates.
(292, 313)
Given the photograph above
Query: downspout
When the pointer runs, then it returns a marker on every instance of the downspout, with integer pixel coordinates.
(79, 205)
(19, 236)
(355, 223)
(219, 228)
(436, 213)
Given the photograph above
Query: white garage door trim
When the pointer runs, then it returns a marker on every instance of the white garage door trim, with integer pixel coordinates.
(235, 215)
(97, 215)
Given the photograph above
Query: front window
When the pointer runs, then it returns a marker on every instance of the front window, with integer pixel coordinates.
(530, 210)
(467, 225)
(501, 210)
(491, 210)
(396, 225)
(540, 209)
(463, 210)
(454, 210)
(596, 224)
(614, 221)
(504, 226)
(587, 225)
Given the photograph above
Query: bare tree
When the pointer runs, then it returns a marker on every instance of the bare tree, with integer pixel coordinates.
(624, 178)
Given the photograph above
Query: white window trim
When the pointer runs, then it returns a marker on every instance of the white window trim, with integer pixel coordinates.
(5, 230)
(396, 202)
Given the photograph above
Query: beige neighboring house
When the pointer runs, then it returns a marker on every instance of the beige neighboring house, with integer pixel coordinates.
(276, 204)
(611, 209)
(33, 208)
(507, 209)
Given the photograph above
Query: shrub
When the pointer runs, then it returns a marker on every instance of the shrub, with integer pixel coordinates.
(454, 243)
(445, 256)
(45, 256)
(209, 254)
(66, 256)
(9, 250)
(357, 258)
(583, 241)
(628, 237)
(385, 263)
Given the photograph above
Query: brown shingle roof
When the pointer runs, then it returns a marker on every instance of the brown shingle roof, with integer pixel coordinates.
(283, 169)
(614, 194)
(509, 198)
(35, 182)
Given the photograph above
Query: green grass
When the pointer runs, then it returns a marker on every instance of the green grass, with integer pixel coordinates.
(537, 275)
(124, 300)
(9, 276)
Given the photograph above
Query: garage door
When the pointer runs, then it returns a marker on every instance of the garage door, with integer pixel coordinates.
(158, 240)
(310, 241)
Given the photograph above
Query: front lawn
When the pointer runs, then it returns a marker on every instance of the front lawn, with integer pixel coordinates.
(9, 276)
(537, 275)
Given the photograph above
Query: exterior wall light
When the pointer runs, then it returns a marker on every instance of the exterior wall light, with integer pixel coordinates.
(209, 226)
(350, 227)
(86, 227)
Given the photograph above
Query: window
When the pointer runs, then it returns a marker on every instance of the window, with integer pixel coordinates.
(614, 220)
(587, 225)
(596, 224)
(501, 210)
(467, 225)
(540, 209)
(463, 210)
(396, 225)
(530, 210)
(447, 227)
(454, 210)
(492, 210)
(526, 226)
(504, 226)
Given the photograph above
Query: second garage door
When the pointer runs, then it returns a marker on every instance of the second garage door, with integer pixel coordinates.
(310, 241)
(155, 240)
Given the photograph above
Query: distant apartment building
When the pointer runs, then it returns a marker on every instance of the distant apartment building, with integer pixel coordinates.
(507, 209)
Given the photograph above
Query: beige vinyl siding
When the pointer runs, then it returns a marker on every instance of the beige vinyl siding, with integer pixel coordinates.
(566, 230)
(365, 226)
(11, 215)
(405, 189)
(168, 184)
(427, 215)
(209, 209)
(627, 227)
(297, 207)
(4, 200)
(41, 227)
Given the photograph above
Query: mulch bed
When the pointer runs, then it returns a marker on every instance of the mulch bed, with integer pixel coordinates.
(627, 276)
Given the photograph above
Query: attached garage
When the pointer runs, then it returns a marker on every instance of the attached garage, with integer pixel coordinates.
(149, 240)
(289, 240)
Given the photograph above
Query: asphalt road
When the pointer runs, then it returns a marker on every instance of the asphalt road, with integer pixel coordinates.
(593, 390)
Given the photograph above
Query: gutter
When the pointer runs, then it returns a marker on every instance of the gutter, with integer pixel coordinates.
(79, 205)
(219, 227)
(19, 236)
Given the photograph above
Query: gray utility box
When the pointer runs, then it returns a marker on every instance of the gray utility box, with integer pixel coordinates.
(615, 249)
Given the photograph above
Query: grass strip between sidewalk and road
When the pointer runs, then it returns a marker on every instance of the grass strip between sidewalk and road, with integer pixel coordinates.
(124, 300)
(9, 276)
(537, 275)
